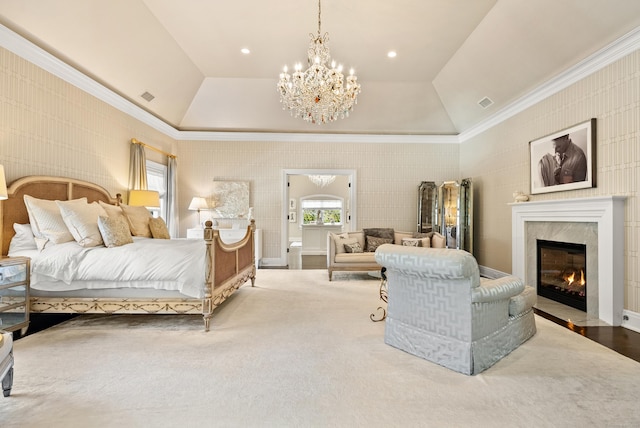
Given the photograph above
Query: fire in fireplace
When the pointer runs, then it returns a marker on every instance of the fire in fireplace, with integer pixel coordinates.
(562, 272)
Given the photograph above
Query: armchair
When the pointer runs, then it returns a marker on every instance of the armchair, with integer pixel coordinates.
(440, 310)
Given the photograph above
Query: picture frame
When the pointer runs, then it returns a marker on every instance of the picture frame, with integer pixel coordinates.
(292, 204)
(292, 217)
(564, 160)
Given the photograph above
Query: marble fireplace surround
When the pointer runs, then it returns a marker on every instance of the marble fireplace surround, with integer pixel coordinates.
(607, 214)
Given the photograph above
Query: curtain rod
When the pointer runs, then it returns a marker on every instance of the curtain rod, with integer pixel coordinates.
(134, 141)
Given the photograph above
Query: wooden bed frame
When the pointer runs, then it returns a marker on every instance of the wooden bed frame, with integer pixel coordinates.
(228, 266)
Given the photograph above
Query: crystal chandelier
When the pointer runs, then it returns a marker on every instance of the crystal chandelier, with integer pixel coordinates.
(318, 94)
(322, 180)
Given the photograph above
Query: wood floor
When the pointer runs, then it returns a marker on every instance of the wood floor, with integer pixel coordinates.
(620, 339)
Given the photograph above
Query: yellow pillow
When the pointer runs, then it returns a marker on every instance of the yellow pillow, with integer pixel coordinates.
(159, 228)
(138, 219)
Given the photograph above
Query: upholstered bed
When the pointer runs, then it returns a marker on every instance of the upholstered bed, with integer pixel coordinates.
(169, 276)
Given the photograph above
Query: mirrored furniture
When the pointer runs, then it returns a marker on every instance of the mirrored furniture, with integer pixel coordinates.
(427, 206)
(14, 293)
(448, 210)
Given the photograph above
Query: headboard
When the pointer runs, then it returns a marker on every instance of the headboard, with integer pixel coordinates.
(13, 209)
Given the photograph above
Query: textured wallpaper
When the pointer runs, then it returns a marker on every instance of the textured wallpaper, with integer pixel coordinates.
(50, 127)
(498, 160)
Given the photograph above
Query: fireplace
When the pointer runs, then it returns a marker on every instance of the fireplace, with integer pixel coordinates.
(562, 272)
(605, 245)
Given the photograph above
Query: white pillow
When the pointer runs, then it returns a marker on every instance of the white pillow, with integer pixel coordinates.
(46, 221)
(81, 219)
(23, 240)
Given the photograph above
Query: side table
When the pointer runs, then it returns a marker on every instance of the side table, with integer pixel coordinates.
(14, 293)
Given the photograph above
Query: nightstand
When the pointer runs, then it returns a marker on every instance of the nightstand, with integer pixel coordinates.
(14, 293)
(195, 233)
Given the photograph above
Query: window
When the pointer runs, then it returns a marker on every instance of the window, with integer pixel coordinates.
(321, 210)
(157, 180)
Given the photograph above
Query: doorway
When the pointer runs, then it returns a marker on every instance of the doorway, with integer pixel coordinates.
(293, 214)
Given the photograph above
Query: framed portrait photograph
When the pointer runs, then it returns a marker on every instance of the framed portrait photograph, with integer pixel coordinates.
(564, 160)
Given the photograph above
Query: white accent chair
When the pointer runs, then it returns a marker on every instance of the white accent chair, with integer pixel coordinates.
(440, 310)
(6, 362)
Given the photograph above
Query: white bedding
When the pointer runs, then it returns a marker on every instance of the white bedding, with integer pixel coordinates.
(164, 264)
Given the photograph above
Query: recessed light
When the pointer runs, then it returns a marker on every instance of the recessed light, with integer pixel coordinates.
(392, 54)
(245, 51)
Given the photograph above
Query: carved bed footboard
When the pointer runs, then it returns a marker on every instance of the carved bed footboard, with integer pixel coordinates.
(228, 267)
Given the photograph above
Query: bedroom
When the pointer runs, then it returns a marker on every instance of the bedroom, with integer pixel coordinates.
(52, 127)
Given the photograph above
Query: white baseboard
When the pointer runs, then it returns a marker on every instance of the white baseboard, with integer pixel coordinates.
(490, 273)
(631, 320)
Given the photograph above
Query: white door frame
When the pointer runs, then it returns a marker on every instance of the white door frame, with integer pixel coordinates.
(352, 208)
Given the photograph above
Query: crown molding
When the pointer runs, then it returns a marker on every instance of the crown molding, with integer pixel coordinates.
(20, 46)
(43, 59)
(285, 137)
(614, 51)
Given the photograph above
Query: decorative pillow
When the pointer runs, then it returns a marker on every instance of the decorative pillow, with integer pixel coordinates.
(353, 247)
(381, 232)
(112, 210)
(373, 243)
(81, 219)
(423, 234)
(342, 239)
(411, 242)
(341, 244)
(46, 221)
(438, 241)
(23, 240)
(115, 231)
(399, 236)
(159, 228)
(425, 242)
(138, 219)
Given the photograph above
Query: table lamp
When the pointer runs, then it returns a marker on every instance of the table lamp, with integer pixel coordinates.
(197, 204)
(144, 198)
(3, 185)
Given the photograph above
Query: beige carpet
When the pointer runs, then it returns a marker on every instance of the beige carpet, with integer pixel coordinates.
(300, 351)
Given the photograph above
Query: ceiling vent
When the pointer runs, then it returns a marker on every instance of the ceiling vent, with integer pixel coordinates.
(147, 96)
(485, 102)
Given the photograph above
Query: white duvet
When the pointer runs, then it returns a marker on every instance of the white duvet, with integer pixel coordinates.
(166, 264)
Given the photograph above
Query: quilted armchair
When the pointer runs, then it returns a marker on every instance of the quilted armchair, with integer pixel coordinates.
(441, 310)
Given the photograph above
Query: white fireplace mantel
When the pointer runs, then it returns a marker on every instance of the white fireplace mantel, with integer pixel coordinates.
(608, 213)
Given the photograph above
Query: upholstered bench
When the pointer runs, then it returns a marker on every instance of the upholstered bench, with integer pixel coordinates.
(6, 362)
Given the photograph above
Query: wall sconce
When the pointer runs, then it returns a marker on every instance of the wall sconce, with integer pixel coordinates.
(144, 198)
(198, 204)
(3, 185)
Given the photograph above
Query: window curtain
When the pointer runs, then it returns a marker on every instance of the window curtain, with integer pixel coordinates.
(137, 168)
(172, 197)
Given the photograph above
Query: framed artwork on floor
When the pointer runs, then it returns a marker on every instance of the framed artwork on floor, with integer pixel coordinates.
(564, 160)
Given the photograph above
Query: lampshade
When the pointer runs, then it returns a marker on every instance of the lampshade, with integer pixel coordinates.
(198, 203)
(3, 184)
(144, 198)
